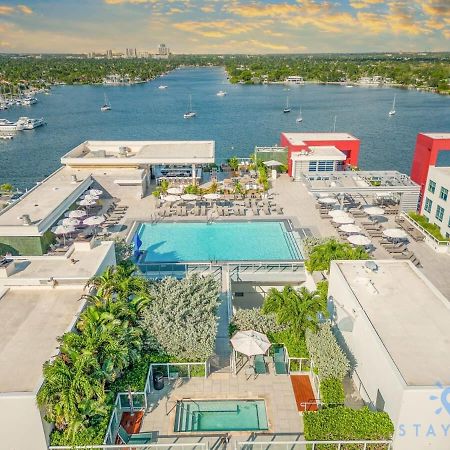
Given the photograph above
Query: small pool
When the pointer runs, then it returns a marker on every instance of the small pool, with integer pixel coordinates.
(220, 415)
(219, 241)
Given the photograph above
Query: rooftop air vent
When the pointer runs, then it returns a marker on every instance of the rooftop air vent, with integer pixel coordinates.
(74, 178)
(26, 219)
(123, 151)
(371, 265)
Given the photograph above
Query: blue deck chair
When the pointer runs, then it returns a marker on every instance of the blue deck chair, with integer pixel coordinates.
(137, 438)
(260, 365)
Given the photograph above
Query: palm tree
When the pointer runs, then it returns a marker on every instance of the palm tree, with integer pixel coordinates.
(163, 186)
(233, 162)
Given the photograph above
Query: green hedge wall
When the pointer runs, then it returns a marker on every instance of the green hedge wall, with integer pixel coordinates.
(332, 391)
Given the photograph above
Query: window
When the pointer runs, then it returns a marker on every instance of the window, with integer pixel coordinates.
(431, 186)
(321, 166)
(443, 194)
(439, 213)
(428, 205)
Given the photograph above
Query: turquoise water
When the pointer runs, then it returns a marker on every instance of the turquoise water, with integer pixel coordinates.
(220, 241)
(221, 415)
(247, 116)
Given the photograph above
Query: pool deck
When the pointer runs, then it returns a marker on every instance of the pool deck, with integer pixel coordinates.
(276, 390)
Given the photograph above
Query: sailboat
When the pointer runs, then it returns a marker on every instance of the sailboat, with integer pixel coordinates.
(299, 117)
(392, 111)
(288, 108)
(106, 106)
(190, 114)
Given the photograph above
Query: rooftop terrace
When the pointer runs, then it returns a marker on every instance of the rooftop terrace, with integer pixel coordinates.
(410, 316)
(302, 138)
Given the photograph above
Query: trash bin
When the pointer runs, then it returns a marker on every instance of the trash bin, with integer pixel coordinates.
(158, 380)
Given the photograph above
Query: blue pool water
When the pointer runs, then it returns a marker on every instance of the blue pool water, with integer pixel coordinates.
(220, 415)
(220, 241)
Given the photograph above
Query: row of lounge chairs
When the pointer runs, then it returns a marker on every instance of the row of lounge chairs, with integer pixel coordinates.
(410, 229)
(114, 215)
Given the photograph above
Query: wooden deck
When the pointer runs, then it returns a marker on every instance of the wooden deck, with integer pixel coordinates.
(303, 392)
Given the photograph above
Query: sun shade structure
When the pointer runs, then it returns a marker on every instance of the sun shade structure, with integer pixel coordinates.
(87, 202)
(272, 163)
(358, 239)
(328, 201)
(70, 221)
(171, 198)
(250, 343)
(77, 214)
(338, 213)
(395, 233)
(95, 192)
(189, 197)
(63, 229)
(374, 211)
(212, 196)
(94, 220)
(343, 219)
(175, 191)
(90, 197)
(350, 228)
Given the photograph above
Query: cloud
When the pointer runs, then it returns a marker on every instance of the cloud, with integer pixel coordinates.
(440, 8)
(362, 4)
(207, 9)
(215, 29)
(25, 9)
(6, 10)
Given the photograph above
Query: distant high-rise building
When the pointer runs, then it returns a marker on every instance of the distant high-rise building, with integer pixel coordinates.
(163, 50)
(109, 54)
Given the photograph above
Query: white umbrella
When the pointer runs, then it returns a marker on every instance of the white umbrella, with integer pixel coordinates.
(374, 211)
(395, 233)
(328, 201)
(189, 197)
(343, 219)
(350, 228)
(250, 343)
(70, 221)
(175, 191)
(95, 192)
(338, 213)
(272, 163)
(77, 213)
(63, 229)
(325, 194)
(87, 202)
(94, 220)
(90, 197)
(212, 196)
(358, 239)
(171, 198)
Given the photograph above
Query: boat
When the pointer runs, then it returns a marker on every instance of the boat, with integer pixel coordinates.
(106, 106)
(299, 117)
(6, 125)
(28, 101)
(190, 114)
(221, 94)
(163, 86)
(392, 111)
(287, 109)
(6, 136)
(30, 124)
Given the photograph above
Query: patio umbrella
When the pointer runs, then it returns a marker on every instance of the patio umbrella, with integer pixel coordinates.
(212, 196)
(325, 194)
(250, 343)
(90, 197)
(374, 211)
(338, 213)
(189, 197)
(87, 202)
(358, 239)
(95, 192)
(70, 221)
(171, 198)
(328, 201)
(77, 213)
(272, 163)
(395, 233)
(94, 220)
(350, 228)
(62, 230)
(175, 191)
(343, 219)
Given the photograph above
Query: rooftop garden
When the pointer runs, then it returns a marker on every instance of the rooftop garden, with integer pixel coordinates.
(128, 323)
(432, 228)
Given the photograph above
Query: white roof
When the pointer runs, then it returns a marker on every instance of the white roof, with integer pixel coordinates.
(437, 135)
(319, 154)
(302, 138)
(409, 315)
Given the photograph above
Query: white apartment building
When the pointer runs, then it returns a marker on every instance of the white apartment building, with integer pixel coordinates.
(395, 325)
(436, 200)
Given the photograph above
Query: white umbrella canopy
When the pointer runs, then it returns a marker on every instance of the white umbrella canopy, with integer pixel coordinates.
(325, 194)
(70, 221)
(250, 343)
(358, 239)
(90, 197)
(395, 233)
(350, 228)
(94, 220)
(343, 219)
(63, 229)
(338, 212)
(212, 196)
(328, 200)
(171, 198)
(87, 202)
(95, 192)
(77, 213)
(175, 191)
(189, 197)
(374, 211)
(272, 163)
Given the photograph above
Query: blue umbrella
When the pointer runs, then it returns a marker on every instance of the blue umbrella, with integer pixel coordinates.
(137, 245)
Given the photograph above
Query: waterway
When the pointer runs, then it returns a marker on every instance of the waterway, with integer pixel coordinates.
(247, 116)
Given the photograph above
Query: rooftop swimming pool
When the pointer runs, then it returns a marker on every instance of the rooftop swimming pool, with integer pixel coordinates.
(220, 415)
(219, 241)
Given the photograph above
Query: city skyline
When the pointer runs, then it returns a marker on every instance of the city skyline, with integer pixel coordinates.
(229, 26)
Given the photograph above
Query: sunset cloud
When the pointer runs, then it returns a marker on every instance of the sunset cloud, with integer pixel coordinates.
(215, 29)
(362, 4)
(6, 10)
(25, 9)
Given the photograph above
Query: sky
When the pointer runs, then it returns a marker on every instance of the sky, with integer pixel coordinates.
(225, 26)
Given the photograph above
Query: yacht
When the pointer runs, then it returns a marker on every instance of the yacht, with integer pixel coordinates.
(106, 106)
(221, 94)
(299, 117)
(163, 86)
(29, 124)
(287, 109)
(190, 114)
(392, 111)
(6, 125)
(5, 136)
(28, 101)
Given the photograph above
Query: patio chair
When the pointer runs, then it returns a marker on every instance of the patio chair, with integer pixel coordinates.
(203, 210)
(279, 210)
(225, 211)
(237, 211)
(242, 210)
(255, 211)
(259, 365)
(266, 210)
(279, 361)
(136, 439)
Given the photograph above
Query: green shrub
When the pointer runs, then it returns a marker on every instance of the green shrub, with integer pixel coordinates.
(343, 423)
(294, 342)
(432, 228)
(254, 319)
(332, 391)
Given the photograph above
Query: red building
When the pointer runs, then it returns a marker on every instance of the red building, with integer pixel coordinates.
(428, 146)
(341, 148)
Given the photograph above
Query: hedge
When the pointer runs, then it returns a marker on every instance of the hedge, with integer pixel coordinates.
(432, 228)
(332, 391)
(342, 423)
